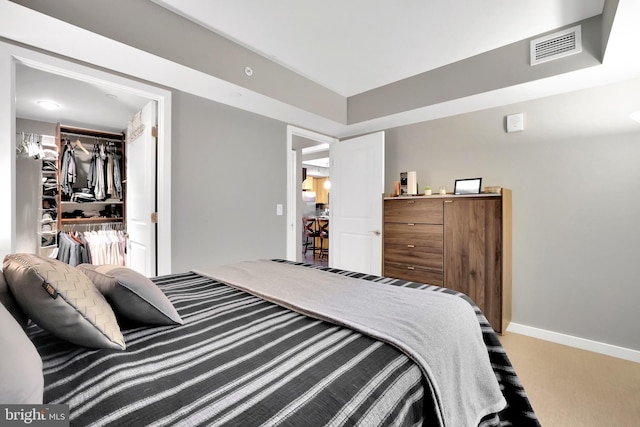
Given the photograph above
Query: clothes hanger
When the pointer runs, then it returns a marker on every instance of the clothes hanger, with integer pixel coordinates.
(80, 146)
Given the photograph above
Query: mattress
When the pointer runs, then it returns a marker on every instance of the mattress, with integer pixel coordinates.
(241, 360)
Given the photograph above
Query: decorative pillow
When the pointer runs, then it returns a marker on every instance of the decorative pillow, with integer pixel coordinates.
(9, 302)
(62, 300)
(132, 295)
(20, 364)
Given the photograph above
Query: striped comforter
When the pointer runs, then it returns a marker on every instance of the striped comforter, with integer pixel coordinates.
(241, 361)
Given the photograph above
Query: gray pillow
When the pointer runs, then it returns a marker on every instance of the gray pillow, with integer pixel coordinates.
(9, 302)
(20, 364)
(62, 300)
(132, 295)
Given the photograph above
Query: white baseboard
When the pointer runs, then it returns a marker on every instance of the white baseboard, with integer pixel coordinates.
(584, 344)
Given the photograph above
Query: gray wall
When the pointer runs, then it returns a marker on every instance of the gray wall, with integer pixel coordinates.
(228, 173)
(34, 126)
(576, 237)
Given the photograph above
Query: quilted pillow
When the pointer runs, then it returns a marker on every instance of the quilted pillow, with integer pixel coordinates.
(132, 295)
(63, 301)
(9, 302)
(20, 364)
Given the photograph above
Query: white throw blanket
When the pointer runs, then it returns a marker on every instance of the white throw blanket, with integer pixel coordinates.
(440, 332)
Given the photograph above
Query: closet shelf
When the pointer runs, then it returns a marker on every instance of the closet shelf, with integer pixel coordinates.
(95, 219)
(97, 202)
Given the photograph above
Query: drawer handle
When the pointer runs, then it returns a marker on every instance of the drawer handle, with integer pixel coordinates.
(411, 201)
(411, 246)
(411, 268)
(410, 224)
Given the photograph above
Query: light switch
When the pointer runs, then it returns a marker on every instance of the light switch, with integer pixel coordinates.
(278, 209)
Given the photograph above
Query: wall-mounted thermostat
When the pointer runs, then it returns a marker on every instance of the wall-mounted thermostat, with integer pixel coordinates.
(515, 122)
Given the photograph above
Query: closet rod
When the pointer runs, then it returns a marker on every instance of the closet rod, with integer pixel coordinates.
(96, 138)
(95, 225)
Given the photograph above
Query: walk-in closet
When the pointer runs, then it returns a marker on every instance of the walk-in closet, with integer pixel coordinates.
(71, 169)
(81, 191)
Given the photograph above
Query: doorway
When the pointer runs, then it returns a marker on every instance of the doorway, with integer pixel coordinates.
(19, 57)
(304, 146)
(316, 208)
(357, 174)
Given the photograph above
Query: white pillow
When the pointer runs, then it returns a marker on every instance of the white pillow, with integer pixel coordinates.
(20, 364)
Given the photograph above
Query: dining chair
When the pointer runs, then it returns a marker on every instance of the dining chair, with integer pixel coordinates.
(323, 234)
(310, 234)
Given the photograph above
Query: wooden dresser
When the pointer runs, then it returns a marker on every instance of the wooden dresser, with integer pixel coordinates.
(459, 242)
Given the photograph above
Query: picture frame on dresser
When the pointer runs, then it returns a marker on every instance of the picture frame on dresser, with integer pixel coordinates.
(467, 186)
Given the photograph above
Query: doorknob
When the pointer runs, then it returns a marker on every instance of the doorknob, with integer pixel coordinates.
(376, 232)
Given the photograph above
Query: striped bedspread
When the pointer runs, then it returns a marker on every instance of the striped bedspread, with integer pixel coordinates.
(242, 361)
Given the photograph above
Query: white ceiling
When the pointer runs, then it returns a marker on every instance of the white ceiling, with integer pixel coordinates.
(356, 45)
(81, 103)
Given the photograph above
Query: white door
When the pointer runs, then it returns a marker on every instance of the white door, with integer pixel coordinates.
(357, 185)
(141, 191)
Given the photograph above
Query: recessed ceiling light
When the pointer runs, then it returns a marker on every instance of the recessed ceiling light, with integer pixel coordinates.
(48, 105)
(635, 116)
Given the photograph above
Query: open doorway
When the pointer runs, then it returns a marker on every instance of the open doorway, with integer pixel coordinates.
(24, 59)
(309, 175)
(357, 185)
(316, 207)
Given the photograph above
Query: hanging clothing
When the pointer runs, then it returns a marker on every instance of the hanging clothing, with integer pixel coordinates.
(105, 176)
(117, 176)
(100, 189)
(111, 190)
(71, 250)
(28, 145)
(91, 177)
(68, 170)
(93, 247)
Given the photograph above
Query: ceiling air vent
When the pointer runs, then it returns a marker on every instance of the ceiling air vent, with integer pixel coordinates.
(556, 45)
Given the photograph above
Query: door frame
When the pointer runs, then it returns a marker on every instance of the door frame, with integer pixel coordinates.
(294, 188)
(10, 55)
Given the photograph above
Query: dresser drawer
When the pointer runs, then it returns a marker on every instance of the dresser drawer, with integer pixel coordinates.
(413, 273)
(416, 255)
(410, 233)
(408, 210)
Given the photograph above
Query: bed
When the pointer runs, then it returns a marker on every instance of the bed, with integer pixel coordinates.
(245, 357)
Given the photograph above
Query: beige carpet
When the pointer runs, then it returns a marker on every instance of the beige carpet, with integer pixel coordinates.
(572, 387)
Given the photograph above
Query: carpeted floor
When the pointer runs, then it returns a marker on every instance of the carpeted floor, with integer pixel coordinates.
(571, 387)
